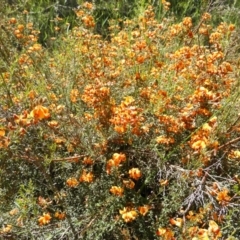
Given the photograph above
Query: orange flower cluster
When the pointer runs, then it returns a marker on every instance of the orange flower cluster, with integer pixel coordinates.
(223, 197)
(143, 210)
(171, 123)
(72, 182)
(87, 161)
(45, 219)
(212, 233)
(98, 97)
(166, 233)
(135, 173)
(126, 115)
(74, 95)
(118, 191)
(166, 4)
(234, 154)
(40, 112)
(4, 140)
(6, 229)
(128, 214)
(88, 21)
(129, 184)
(201, 139)
(86, 177)
(23, 119)
(177, 222)
(60, 215)
(115, 161)
(164, 140)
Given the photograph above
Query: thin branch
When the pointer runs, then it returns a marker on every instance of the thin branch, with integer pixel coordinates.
(228, 143)
(69, 159)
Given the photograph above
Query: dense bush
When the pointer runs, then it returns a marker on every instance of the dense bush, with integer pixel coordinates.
(52, 17)
(133, 137)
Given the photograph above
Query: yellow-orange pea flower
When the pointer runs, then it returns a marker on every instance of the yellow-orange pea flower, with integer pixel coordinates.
(2, 132)
(14, 211)
(176, 222)
(40, 112)
(72, 182)
(60, 215)
(86, 177)
(6, 229)
(223, 197)
(53, 123)
(118, 191)
(87, 161)
(144, 209)
(128, 215)
(135, 173)
(116, 160)
(166, 233)
(214, 228)
(45, 219)
(12, 20)
(129, 184)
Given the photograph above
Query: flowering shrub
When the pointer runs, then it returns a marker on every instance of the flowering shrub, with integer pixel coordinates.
(135, 137)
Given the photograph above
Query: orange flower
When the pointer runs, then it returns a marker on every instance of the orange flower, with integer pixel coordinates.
(116, 160)
(60, 215)
(214, 229)
(6, 229)
(86, 177)
(135, 173)
(14, 212)
(40, 112)
(32, 94)
(12, 20)
(22, 119)
(165, 233)
(187, 21)
(144, 209)
(45, 219)
(74, 95)
(88, 21)
(59, 140)
(176, 222)
(2, 132)
(88, 5)
(202, 234)
(109, 166)
(53, 124)
(234, 154)
(164, 182)
(43, 202)
(164, 140)
(129, 184)
(4, 143)
(206, 16)
(120, 129)
(198, 145)
(72, 182)
(166, 4)
(223, 197)
(231, 27)
(128, 215)
(87, 161)
(118, 191)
